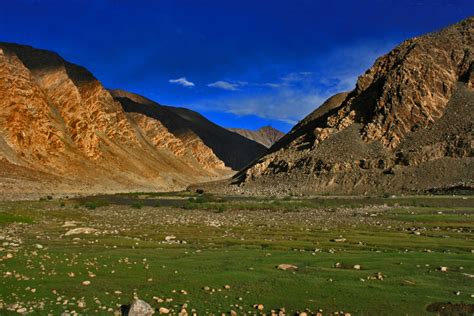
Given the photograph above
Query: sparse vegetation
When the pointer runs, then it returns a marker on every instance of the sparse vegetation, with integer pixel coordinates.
(94, 203)
(137, 205)
(239, 241)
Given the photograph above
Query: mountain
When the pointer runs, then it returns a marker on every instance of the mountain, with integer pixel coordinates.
(266, 135)
(406, 127)
(234, 150)
(62, 131)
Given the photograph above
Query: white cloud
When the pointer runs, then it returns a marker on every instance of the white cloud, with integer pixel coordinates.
(225, 85)
(297, 76)
(182, 82)
(287, 105)
(284, 104)
(269, 84)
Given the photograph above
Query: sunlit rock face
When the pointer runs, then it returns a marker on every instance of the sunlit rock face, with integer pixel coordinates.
(62, 130)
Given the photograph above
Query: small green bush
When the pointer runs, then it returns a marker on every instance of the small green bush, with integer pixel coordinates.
(204, 198)
(220, 209)
(93, 204)
(137, 205)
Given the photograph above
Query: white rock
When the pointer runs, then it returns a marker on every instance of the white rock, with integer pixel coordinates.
(82, 230)
(170, 238)
(285, 267)
(21, 310)
(140, 308)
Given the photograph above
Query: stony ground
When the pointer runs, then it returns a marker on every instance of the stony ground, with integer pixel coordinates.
(213, 255)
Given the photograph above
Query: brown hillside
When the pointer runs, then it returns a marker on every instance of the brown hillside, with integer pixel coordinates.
(61, 131)
(234, 150)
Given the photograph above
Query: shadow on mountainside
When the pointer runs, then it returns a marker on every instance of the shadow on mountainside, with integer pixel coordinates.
(233, 149)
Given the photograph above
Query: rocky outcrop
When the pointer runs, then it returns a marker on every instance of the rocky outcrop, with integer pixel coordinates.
(188, 147)
(266, 135)
(28, 127)
(407, 126)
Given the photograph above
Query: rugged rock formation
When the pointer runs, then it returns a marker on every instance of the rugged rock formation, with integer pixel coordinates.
(407, 126)
(195, 130)
(266, 135)
(62, 131)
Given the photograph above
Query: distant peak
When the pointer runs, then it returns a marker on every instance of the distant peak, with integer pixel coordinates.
(265, 135)
(267, 128)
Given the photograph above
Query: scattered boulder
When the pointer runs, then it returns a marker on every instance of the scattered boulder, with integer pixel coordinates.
(164, 310)
(443, 269)
(21, 310)
(81, 230)
(287, 267)
(377, 276)
(260, 307)
(356, 267)
(140, 308)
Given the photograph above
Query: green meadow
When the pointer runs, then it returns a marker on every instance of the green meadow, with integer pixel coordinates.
(215, 254)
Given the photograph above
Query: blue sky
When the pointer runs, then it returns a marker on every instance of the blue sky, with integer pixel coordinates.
(240, 63)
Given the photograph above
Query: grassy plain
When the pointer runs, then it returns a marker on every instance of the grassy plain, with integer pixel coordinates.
(182, 248)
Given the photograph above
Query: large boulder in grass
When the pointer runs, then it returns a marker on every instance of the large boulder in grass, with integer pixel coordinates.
(287, 267)
(82, 230)
(140, 308)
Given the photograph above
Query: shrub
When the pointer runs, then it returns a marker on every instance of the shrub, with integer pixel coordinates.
(201, 199)
(137, 205)
(93, 204)
(220, 209)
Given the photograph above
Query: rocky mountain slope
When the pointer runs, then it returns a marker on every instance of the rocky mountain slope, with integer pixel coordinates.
(407, 126)
(266, 135)
(234, 150)
(62, 131)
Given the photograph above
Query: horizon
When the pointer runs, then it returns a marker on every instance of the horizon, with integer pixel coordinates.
(241, 65)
